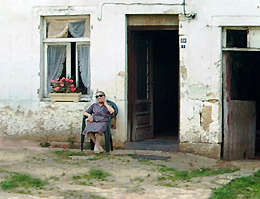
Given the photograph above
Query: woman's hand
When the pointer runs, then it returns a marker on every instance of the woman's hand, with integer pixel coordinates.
(86, 114)
(109, 108)
(90, 119)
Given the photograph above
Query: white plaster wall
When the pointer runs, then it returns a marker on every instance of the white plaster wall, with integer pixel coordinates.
(200, 85)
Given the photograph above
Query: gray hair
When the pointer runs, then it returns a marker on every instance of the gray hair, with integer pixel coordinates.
(101, 93)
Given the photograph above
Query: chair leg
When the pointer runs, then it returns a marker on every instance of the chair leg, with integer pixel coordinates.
(92, 144)
(111, 143)
(107, 141)
(82, 142)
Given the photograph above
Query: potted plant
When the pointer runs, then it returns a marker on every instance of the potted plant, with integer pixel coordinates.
(64, 90)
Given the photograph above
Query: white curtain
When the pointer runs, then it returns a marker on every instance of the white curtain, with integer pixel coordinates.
(77, 28)
(60, 28)
(55, 58)
(83, 56)
(57, 29)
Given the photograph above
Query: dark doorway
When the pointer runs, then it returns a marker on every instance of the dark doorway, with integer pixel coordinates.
(241, 105)
(153, 83)
(166, 83)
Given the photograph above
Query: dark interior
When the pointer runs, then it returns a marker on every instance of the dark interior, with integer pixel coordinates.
(166, 82)
(237, 38)
(245, 83)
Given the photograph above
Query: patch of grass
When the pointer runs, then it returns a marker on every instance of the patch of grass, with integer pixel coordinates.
(137, 179)
(93, 174)
(99, 156)
(65, 154)
(244, 188)
(163, 169)
(54, 178)
(175, 175)
(144, 161)
(72, 194)
(98, 174)
(93, 196)
(45, 144)
(17, 180)
(167, 184)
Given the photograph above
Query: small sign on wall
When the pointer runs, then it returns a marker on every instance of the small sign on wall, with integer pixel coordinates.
(183, 41)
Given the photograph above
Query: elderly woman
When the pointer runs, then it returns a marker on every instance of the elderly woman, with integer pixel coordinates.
(97, 120)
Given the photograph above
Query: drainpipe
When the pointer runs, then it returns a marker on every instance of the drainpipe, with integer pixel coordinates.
(187, 15)
(183, 4)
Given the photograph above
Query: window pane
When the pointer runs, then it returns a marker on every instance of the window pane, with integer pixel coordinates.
(71, 27)
(236, 38)
(83, 68)
(73, 61)
(56, 56)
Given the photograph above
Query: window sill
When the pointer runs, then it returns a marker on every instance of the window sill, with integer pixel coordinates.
(82, 99)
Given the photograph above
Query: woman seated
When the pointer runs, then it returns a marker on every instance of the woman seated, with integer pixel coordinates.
(97, 120)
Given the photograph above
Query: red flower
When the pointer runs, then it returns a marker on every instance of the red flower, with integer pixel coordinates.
(67, 79)
(57, 88)
(61, 85)
(62, 79)
(73, 89)
(71, 80)
(72, 85)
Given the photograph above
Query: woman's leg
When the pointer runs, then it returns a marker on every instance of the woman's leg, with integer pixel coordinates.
(98, 147)
(92, 137)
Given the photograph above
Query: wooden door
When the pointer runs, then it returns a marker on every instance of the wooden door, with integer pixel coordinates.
(140, 92)
(239, 116)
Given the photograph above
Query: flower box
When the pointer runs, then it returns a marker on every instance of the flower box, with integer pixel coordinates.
(65, 97)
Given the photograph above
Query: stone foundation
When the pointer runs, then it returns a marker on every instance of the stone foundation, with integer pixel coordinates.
(205, 149)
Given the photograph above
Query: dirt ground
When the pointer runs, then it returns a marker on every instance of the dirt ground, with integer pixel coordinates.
(130, 177)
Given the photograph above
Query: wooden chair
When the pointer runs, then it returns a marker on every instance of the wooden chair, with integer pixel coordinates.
(108, 136)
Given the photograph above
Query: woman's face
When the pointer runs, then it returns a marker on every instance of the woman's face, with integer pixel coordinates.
(100, 97)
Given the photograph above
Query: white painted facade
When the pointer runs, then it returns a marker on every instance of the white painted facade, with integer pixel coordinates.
(23, 111)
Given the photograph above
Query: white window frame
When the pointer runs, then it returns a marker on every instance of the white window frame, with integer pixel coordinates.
(62, 42)
(224, 37)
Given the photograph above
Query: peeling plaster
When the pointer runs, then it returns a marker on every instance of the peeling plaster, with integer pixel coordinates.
(206, 117)
(183, 71)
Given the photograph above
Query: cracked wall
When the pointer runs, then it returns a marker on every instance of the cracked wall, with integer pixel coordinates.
(21, 111)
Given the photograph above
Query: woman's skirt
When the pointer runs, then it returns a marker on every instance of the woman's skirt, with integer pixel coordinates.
(95, 127)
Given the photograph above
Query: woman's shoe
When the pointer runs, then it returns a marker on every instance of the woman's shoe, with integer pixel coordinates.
(101, 150)
(98, 149)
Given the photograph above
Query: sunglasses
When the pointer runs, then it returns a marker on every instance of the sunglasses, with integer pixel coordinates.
(99, 96)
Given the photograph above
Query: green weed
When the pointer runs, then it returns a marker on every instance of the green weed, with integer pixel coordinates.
(92, 196)
(244, 188)
(138, 179)
(144, 161)
(175, 175)
(72, 194)
(98, 174)
(17, 180)
(93, 174)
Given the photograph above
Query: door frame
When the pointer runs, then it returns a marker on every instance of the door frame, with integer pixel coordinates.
(130, 94)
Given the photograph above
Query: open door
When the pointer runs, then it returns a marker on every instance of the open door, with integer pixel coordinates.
(239, 106)
(140, 90)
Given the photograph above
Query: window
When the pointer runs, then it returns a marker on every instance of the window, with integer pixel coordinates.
(66, 44)
(236, 38)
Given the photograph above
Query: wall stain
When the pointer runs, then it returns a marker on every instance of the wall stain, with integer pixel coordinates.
(206, 117)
